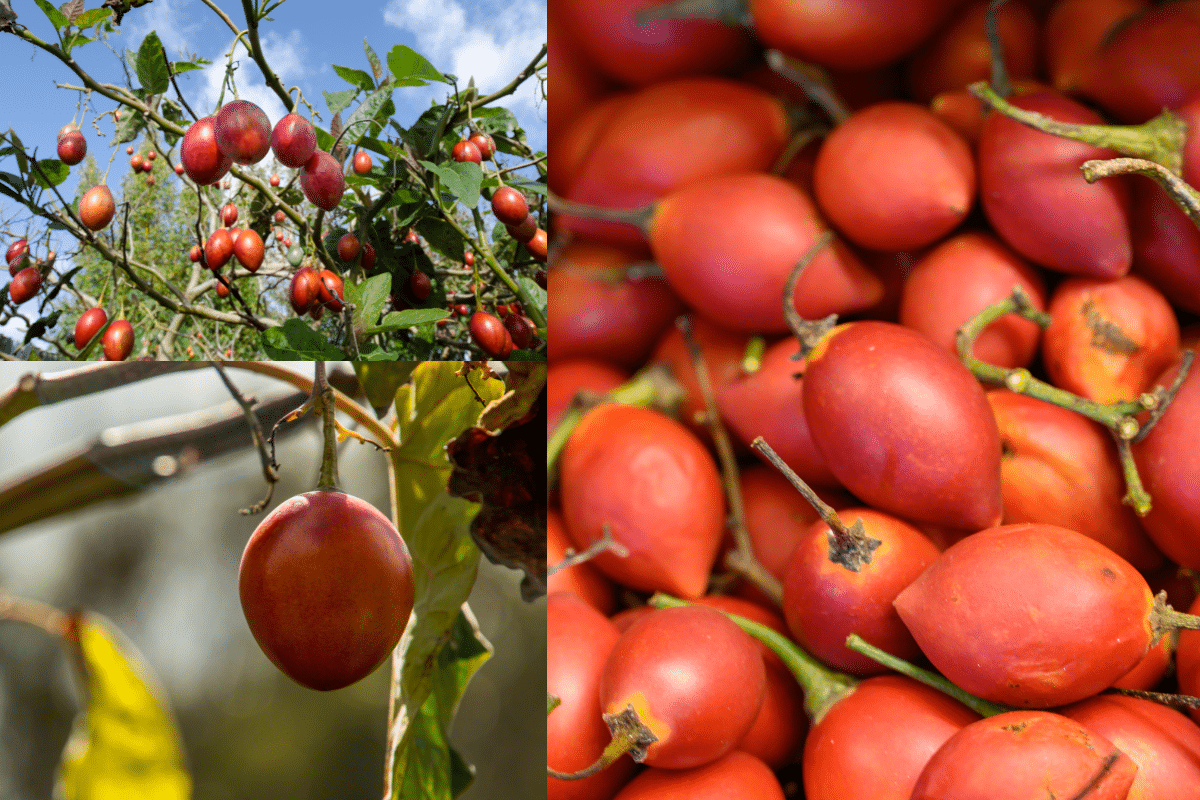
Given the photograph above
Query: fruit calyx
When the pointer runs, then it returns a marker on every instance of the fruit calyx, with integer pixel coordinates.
(629, 735)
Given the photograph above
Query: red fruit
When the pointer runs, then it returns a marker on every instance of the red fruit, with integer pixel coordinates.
(419, 284)
(147, 166)
(368, 255)
(537, 246)
(18, 262)
(287, 241)
(18, 248)
(150, 180)
(218, 249)
(24, 285)
(1026, 754)
(329, 289)
(179, 169)
(582, 580)
(736, 776)
(97, 207)
(904, 425)
(235, 234)
(202, 159)
(466, 150)
(469, 258)
(72, 146)
(491, 335)
(525, 230)
(521, 329)
(194, 253)
(243, 132)
(326, 584)
(509, 205)
(348, 248)
(322, 181)
(293, 141)
(89, 323)
(279, 216)
(999, 614)
(484, 143)
(274, 180)
(222, 288)
(151, 155)
(672, 537)
(248, 249)
(305, 290)
(1074, 32)
(362, 162)
(229, 215)
(693, 677)
(129, 150)
(118, 340)
(462, 309)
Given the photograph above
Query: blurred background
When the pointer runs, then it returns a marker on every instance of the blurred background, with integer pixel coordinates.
(162, 565)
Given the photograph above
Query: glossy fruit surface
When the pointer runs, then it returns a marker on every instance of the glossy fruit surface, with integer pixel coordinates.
(118, 340)
(202, 159)
(274, 180)
(72, 147)
(229, 215)
(326, 585)
(293, 141)
(135, 163)
(509, 205)
(466, 151)
(90, 322)
(524, 230)
(368, 256)
(218, 249)
(305, 290)
(737, 776)
(243, 132)
(348, 248)
(362, 162)
(329, 289)
(322, 180)
(25, 285)
(484, 143)
(248, 249)
(490, 334)
(419, 284)
(97, 207)
(538, 245)
(521, 329)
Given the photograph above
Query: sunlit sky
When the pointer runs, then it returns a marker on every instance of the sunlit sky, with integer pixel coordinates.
(490, 40)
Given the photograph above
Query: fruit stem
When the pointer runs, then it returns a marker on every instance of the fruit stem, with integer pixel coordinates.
(552, 702)
(629, 735)
(822, 686)
(984, 708)
(328, 479)
(849, 546)
(638, 217)
(742, 559)
(1159, 139)
(1180, 191)
(813, 80)
(1000, 76)
(1164, 619)
(731, 12)
(808, 332)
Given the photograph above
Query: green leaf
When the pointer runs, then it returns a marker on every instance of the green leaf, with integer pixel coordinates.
(410, 68)
(365, 116)
(355, 77)
(295, 341)
(76, 39)
(526, 184)
(438, 405)
(381, 383)
(370, 297)
(54, 171)
(91, 17)
(339, 101)
(536, 293)
(125, 744)
(151, 67)
(376, 67)
(181, 67)
(442, 237)
(56, 17)
(408, 318)
(462, 180)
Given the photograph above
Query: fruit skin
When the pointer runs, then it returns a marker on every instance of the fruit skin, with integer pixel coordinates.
(466, 150)
(484, 143)
(509, 205)
(89, 323)
(72, 147)
(118, 340)
(521, 329)
(736, 776)
(538, 246)
(326, 585)
(322, 181)
(218, 249)
(490, 334)
(305, 290)
(194, 253)
(293, 141)
(248, 249)
(329, 289)
(202, 159)
(524, 230)
(179, 169)
(25, 285)
(243, 132)
(904, 425)
(135, 163)
(18, 248)
(362, 162)
(229, 215)
(97, 207)
(419, 284)
(368, 256)
(348, 248)
(274, 180)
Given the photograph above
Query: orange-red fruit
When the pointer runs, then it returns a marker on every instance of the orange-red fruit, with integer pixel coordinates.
(229, 214)
(89, 323)
(248, 249)
(305, 289)
(491, 335)
(293, 140)
(469, 258)
(179, 169)
(348, 248)
(118, 340)
(97, 207)
(194, 253)
(243, 132)
(362, 162)
(326, 585)
(322, 181)
(202, 159)
(72, 147)
(521, 329)
(484, 143)
(537, 246)
(274, 180)
(368, 255)
(222, 288)
(466, 151)
(329, 289)
(419, 284)
(218, 249)
(524, 230)
(509, 205)
(25, 285)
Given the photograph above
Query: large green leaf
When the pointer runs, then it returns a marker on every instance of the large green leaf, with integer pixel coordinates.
(410, 68)
(435, 407)
(460, 179)
(295, 341)
(125, 744)
(151, 66)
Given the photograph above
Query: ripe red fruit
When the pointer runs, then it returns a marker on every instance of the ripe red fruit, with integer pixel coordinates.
(537, 246)
(151, 155)
(362, 162)
(135, 163)
(329, 289)
(202, 159)
(279, 216)
(97, 207)
(222, 289)
(248, 249)
(484, 143)
(72, 146)
(348, 248)
(218, 249)
(24, 285)
(129, 150)
(419, 284)
(19, 261)
(509, 205)
(322, 180)
(18, 248)
(89, 323)
(274, 180)
(147, 166)
(368, 255)
(461, 309)
(150, 181)
(287, 241)
(243, 132)
(525, 229)
(491, 335)
(229, 214)
(466, 151)
(305, 289)
(234, 233)
(469, 258)
(293, 141)
(118, 340)
(179, 169)
(194, 253)
(521, 329)
(326, 585)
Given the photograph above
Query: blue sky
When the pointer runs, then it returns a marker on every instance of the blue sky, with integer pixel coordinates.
(488, 39)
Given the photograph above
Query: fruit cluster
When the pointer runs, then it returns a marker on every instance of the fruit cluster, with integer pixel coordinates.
(929, 549)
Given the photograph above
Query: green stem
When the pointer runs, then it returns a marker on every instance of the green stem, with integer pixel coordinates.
(823, 687)
(731, 12)
(1180, 191)
(328, 479)
(984, 708)
(638, 217)
(1159, 139)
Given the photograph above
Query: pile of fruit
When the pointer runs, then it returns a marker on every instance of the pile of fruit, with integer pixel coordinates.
(872, 438)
